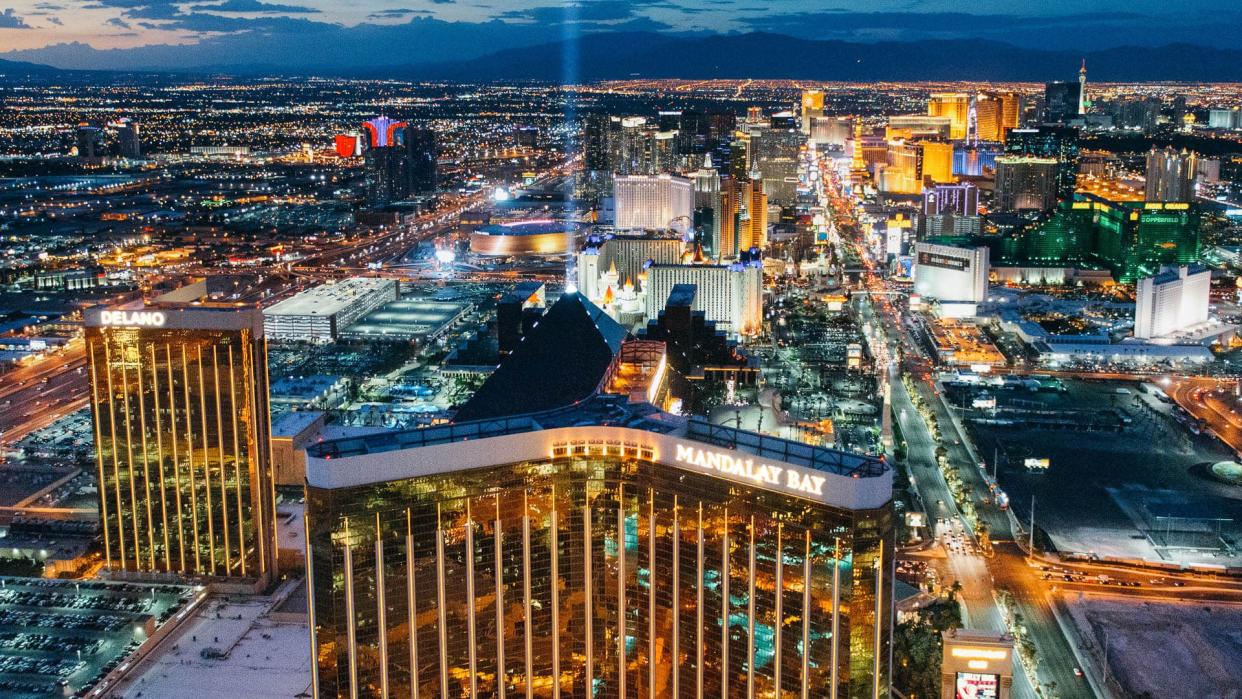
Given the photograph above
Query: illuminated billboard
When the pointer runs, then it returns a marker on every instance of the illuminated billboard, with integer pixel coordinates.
(973, 685)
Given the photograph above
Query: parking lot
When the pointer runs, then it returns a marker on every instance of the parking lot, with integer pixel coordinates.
(58, 637)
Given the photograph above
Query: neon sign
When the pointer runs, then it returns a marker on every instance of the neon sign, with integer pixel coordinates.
(761, 473)
(141, 319)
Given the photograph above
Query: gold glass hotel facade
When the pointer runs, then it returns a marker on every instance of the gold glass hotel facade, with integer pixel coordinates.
(602, 550)
(179, 401)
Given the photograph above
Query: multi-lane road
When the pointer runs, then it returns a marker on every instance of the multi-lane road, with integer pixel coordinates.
(37, 393)
(1211, 401)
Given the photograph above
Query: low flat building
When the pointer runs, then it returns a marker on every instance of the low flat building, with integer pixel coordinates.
(320, 314)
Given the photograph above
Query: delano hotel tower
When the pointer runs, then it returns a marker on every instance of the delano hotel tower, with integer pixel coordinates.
(179, 400)
(606, 549)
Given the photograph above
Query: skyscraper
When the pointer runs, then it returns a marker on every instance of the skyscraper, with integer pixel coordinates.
(756, 234)
(128, 140)
(1062, 100)
(812, 107)
(400, 160)
(1171, 175)
(1024, 182)
(89, 141)
(729, 295)
(958, 199)
(421, 145)
(180, 410)
(387, 160)
(1050, 141)
(935, 162)
(725, 216)
(1010, 112)
(1173, 300)
(955, 106)
(654, 201)
(596, 548)
(988, 118)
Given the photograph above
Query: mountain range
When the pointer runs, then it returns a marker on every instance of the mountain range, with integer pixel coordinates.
(617, 55)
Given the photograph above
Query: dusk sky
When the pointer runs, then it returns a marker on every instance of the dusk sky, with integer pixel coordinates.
(219, 29)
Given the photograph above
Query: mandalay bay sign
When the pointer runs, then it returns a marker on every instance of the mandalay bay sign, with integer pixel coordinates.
(748, 469)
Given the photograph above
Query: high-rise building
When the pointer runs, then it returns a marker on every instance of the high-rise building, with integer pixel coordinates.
(1132, 239)
(917, 126)
(958, 199)
(1229, 118)
(128, 140)
(90, 144)
(1142, 114)
(951, 274)
(900, 173)
(625, 259)
(725, 217)
(756, 235)
(421, 145)
(740, 156)
(812, 107)
(989, 124)
(1010, 112)
(1171, 175)
(780, 181)
(1062, 100)
(955, 106)
(1173, 300)
(729, 295)
(706, 184)
(948, 224)
(1050, 141)
(179, 403)
(935, 162)
(597, 141)
(831, 131)
(654, 201)
(642, 148)
(1024, 183)
(601, 550)
(387, 160)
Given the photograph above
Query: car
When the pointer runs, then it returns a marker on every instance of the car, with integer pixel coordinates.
(1077, 672)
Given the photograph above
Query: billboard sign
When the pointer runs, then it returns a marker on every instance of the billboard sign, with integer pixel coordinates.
(974, 685)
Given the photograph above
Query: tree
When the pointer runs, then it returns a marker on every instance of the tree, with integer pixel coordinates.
(917, 650)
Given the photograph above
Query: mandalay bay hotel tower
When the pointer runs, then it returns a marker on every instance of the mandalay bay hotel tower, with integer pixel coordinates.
(180, 407)
(595, 546)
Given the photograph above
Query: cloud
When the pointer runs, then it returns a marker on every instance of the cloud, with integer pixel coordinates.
(397, 13)
(9, 20)
(56, 21)
(835, 22)
(205, 22)
(600, 11)
(253, 6)
(154, 12)
(443, 2)
(118, 22)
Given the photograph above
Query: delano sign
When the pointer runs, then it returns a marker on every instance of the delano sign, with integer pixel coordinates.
(748, 469)
(132, 319)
